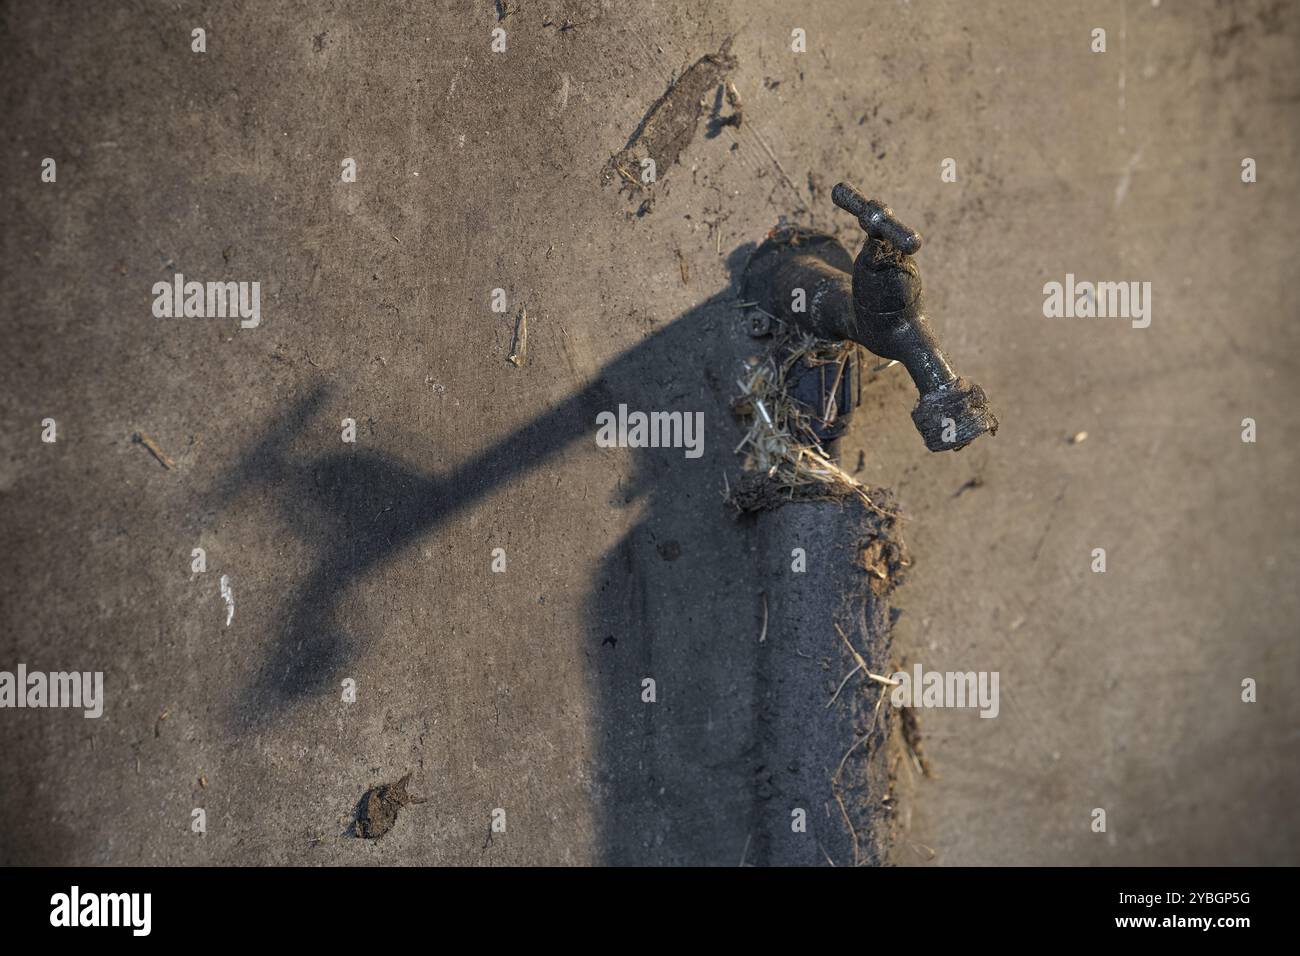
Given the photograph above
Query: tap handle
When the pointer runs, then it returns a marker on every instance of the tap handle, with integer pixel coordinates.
(877, 219)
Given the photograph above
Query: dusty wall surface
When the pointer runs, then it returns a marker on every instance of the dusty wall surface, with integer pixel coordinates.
(480, 170)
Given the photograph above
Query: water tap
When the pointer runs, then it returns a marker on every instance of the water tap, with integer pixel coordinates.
(804, 276)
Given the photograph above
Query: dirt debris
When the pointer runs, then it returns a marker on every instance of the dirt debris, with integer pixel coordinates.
(737, 109)
(377, 811)
(519, 344)
(910, 728)
(883, 558)
(164, 459)
(669, 125)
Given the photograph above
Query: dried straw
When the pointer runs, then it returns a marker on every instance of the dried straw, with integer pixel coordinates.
(781, 442)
